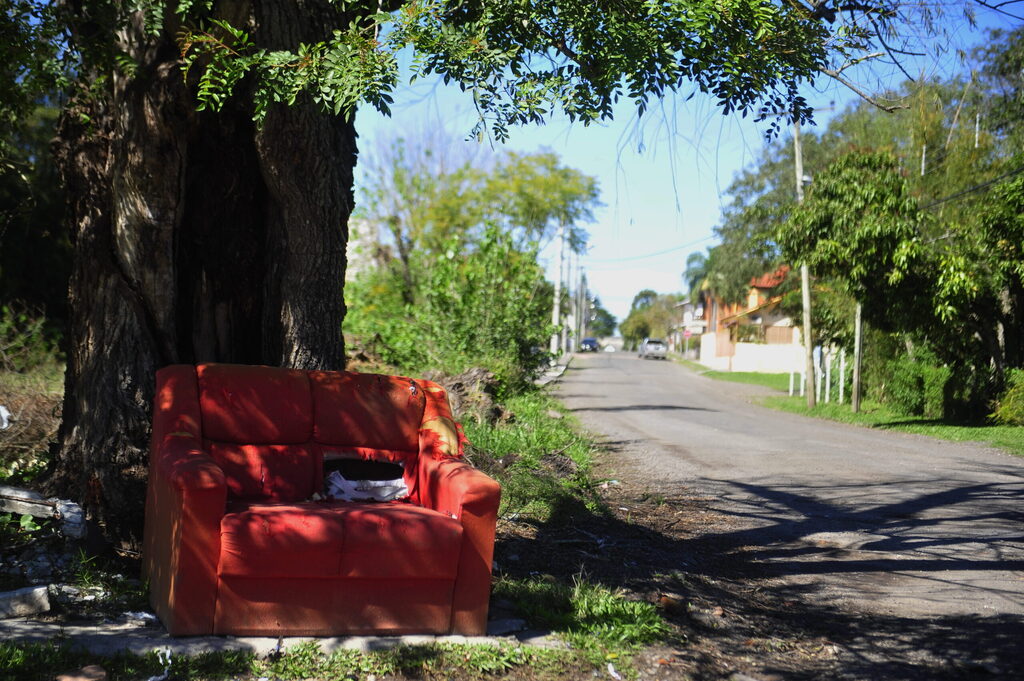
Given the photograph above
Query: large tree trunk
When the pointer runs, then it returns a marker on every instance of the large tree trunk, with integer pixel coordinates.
(197, 238)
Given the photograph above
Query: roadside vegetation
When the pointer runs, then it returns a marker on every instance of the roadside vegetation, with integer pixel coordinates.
(915, 218)
(37, 662)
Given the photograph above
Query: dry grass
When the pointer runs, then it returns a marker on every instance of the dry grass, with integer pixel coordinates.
(34, 399)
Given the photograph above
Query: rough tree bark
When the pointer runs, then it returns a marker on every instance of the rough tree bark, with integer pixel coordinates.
(197, 238)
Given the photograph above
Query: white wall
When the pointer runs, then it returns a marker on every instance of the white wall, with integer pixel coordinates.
(774, 359)
(708, 350)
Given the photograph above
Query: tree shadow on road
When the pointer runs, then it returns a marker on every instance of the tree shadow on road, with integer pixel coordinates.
(745, 587)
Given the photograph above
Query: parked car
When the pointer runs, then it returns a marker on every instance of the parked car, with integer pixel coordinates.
(589, 345)
(653, 347)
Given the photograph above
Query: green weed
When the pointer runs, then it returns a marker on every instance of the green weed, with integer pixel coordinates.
(538, 458)
(589, 616)
(774, 381)
(308, 661)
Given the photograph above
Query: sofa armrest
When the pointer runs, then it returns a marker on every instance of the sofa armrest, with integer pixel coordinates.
(454, 488)
(185, 502)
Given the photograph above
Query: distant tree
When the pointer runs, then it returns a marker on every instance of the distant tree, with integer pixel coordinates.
(423, 198)
(696, 272)
(602, 323)
(643, 299)
(652, 316)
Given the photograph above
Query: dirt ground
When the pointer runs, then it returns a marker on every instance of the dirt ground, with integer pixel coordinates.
(731, 620)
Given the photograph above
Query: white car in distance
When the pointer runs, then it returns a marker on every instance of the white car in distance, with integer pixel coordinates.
(653, 347)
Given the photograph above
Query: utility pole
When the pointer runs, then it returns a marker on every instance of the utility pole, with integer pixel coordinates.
(581, 308)
(858, 344)
(556, 306)
(805, 278)
(570, 316)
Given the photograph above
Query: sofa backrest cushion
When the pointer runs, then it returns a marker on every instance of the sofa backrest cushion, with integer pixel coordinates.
(268, 473)
(367, 412)
(254, 404)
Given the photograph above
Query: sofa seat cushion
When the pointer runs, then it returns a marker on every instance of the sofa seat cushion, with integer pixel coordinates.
(339, 540)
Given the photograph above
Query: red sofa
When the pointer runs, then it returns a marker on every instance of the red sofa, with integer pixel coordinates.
(236, 544)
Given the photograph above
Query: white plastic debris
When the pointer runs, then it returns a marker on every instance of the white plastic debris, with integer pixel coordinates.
(339, 487)
(612, 673)
(5, 418)
(140, 616)
(72, 518)
(164, 656)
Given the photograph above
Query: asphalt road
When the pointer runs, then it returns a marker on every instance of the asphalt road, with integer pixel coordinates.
(861, 519)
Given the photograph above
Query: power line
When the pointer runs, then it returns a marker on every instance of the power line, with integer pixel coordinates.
(652, 255)
(978, 187)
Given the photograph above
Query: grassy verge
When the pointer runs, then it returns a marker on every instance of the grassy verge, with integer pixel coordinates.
(539, 454)
(876, 415)
(873, 415)
(778, 382)
(305, 661)
(774, 381)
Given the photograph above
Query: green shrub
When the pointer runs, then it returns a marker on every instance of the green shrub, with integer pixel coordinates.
(539, 459)
(25, 341)
(918, 386)
(1009, 408)
(482, 306)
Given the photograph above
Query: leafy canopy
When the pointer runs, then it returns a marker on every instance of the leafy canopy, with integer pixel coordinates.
(522, 61)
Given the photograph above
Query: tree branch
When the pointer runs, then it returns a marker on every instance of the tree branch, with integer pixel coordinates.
(998, 7)
(859, 92)
(858, 60)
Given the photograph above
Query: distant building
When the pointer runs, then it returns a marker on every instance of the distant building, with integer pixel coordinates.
(751, 336)
(363, 248)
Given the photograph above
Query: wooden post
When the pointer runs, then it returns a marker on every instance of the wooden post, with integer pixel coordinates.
(842, 375)
(857, 352)
(828, 375)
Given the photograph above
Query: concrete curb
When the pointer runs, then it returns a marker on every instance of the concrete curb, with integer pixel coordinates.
(555, 372)
(111, 638)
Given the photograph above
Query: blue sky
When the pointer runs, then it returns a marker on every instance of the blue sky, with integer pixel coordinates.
(662, 178)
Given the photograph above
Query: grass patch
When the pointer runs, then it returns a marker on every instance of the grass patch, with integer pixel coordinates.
(876, 415)
(540, 456)
(593, 618)
(774, 381)
(34, 661)
(43, 661)
(307, 661)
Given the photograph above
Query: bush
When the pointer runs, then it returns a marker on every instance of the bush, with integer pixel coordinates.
(918, 387)
(24, 340)
(1009, 408)
(484, 306)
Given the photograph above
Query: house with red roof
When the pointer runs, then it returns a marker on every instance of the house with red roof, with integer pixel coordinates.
(755, 335)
